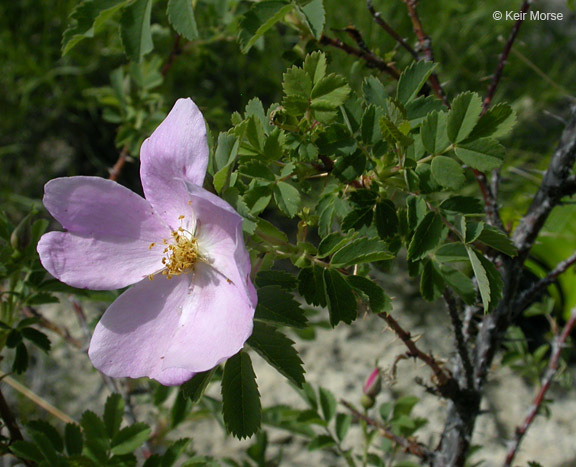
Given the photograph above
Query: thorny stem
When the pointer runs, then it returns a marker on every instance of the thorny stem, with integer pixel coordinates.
(557, 347)
(9, 419)
(409, 445)
(445, 382)
(371, 60)
(461, 346)
(504, 56)
(426, 47)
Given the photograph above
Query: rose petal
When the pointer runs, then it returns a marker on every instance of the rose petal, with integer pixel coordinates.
(216, 322)
(219, 233)
(176, 153)
(132, 338)
(110, 231)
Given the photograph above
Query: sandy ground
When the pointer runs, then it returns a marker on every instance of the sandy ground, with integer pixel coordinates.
(339, 359)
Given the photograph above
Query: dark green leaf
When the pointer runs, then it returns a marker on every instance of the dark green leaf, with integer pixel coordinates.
(379, 301)
(498, 240)
(463, 205)
(460, 283)
(49, 432)
(37, 337)
(386, 219)
(451, 252)
(311, 285)
(463, 116)
(370, 126)
(419, 108)
(331, 243)
(341, 301)
(73, 439)
(95, 435)
(194, 389)
(26, 450)
(488, 279)
(429, 233)
(498, 121)
(482, 154)
(113, 414)
(297, 83)
(129, 438)
(361, 250)
(392, 133)
(282, 279)
(240, 398)
(321, 442)
(277, 306)
(447, 172)
(343, 422)
(20, 363)
(431, 281)
(374, 92)
(278, 350)
(357, 218)
(180, 409)
(181, 17)
(315, 66)
(135, 29)
(412, 79)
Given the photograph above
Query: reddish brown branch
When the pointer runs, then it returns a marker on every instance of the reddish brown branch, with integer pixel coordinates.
(409, 445)
(557, 346)
(176, 50)
(426, 48)
(371, 60)
(119, 164)
(504, 56)
(446, 385)
(9, 420)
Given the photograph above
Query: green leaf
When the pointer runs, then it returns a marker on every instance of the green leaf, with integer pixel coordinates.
(451, 252)
(287, 198)
(460, 283)
(379, 301)
(429, 233)
(483, 154)
(361, 250)
(277, 306)
(431, 281)
(447, 172)
(51, 434)
(392, 134)
(386, 219)
(498, 240)
(224, 158)
(343, 422)
(73, 439)
(315, 17)
(135, 29)
(357, 218)
(412, 79)
(96, 437)
(270, 277)
(20, 363)
(418, 109)
(321, 442)
(471, 230)
(27, 450)
(130, 438)
(278, 350)
(180, 409)
(498, 121)
(341, 301)
(433, 132)
(370, 126)
(331, 243)
(463, 205)
(374, 92)
(297, 82)
(194, 389)
(327, 404)
(488, 279)
(181, 17)
(39, 339)
(259, 19)
(329, 93)
(463, 116)
(240, 398)
(315, 66)
(311, 285)
(113, 414)
(86, 19)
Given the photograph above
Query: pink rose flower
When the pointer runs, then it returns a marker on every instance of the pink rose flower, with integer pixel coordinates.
(193, 302)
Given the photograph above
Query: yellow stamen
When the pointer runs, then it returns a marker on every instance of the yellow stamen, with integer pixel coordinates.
(181, 255)
(152, 245)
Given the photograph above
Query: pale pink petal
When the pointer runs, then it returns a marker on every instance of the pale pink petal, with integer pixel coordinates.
(215, 324)
(133, 336)
(175, 154)
(219, 233)
(110, 229)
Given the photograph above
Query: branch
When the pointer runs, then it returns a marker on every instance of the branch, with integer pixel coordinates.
(119, 164)
(372, 61)
(176, 50)
(446, 384)
(556, 183)
(384, 25)
(47, 324)
(460, 341)
(426, 48)
(504, 56)
(530, 295)
(557, 346)
(409, 445)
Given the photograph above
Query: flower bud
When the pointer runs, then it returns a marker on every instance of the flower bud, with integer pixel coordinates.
(373, 384)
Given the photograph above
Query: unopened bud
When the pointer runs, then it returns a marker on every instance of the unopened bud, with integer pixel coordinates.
(373, 384)
(367, 401)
